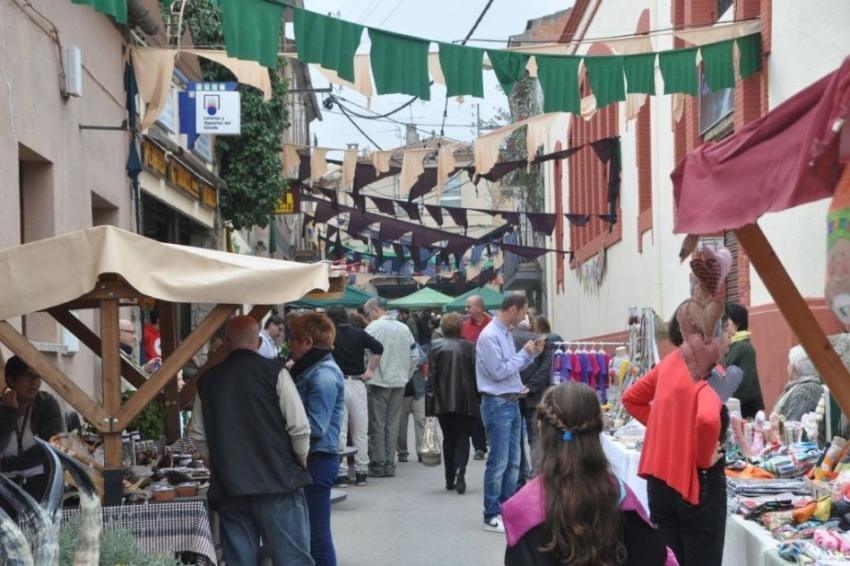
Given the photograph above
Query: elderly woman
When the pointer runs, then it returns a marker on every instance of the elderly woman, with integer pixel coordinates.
(320, 384)
(452, 396)
(804, 389)
(26, 412)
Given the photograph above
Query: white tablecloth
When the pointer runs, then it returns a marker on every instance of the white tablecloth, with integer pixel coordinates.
(624, 463)
(749, 544)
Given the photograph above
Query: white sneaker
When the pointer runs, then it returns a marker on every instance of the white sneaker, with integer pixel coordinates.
(495, 525)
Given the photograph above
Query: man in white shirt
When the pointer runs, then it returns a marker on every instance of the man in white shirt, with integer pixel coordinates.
(271, 334)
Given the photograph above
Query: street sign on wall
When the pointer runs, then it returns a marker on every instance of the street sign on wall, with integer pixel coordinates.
(217, 111)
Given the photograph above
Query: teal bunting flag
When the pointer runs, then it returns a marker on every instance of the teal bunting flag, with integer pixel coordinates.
(252, 30)
(400, 64)
(640, 73)
(750, 48)
(558, 76)
(115, 8)
(606, 79)
(719, 65)
(462, 68)
(679, 71)
(509, 67)
(330, 42)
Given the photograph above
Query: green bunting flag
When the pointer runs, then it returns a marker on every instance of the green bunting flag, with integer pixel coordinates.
(400, 64)
(606, 79)
(719, 65)
(330, 42)
(252, 30)
(509, 67)
(679, 71)
(640, 73)
(558, 76)
(115, 8)
(750, 48)
(462, 68)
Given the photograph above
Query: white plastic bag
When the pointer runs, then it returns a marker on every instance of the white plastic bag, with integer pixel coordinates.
(430, 452)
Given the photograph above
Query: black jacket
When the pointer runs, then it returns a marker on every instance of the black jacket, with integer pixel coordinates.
(538, 375)
(45, 421)
(451, 384)
(349, 347)
(250, 449)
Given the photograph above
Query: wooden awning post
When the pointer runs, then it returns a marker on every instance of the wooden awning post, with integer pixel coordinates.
(113, 465)
(797, 313)
(168, 343)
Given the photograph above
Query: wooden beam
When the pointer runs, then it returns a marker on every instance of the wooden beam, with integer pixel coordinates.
(111, 376)
(796, 312)
(92, 342)
(213, 321)
(54, 377)
(111, 286)
(88, 304)
(191, 386)
(168, 343)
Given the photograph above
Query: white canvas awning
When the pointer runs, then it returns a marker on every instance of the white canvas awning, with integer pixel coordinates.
(54, 271)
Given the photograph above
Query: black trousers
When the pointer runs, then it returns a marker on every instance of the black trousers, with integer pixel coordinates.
(456, 431)
(479, 435)
(695, 533)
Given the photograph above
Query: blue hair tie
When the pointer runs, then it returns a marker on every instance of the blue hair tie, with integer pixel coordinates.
(568, 436)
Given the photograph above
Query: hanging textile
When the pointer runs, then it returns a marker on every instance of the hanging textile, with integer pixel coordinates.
(750, 49)
(435, 70)
(606, 79)
(719, 65)
(459, 216)
(640, 73)
(349, 164)
(246, 72)
(424, 184)
(436, 213)
(381, 160)
(558, 78)
(400, 64)
(411, 209)
(462, 68)
(542, 222)
(384, 205)
(115, 8)
(392, 229)
(357, 223)
(290, 159)
(252, 30)
(445, 165)
(362, 77)
(578, 219)
(509, 67)
(324, 212)
(679, 71)
(154, 69)
(538, 133)
(318, 162)
(330, 42)
(411, 167)
(486, 148)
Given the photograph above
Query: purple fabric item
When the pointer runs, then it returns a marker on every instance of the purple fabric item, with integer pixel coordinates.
(331, 195)
(359, 202)
(526, 253)
(424, 184)
(392, 230)
(324, 212)
(578, 219)
(356, 223)
(364, 174)
(398, 249)
(458, 215)
(543, 222)
(436, 213)
(510, 217)
(411, 208)
(384, 205)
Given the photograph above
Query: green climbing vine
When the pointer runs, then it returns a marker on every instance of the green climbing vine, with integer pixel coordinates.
(250, 164)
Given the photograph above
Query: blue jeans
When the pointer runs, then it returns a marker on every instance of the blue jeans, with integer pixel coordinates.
(502, 422)
(323, 468)
(280, 519)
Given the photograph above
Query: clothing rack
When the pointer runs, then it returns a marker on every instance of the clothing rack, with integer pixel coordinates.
(589, 343)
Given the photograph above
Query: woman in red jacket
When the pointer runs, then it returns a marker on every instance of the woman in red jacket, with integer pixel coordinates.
(682, 459)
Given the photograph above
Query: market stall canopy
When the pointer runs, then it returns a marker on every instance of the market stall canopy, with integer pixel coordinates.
(492, 299)
(54, 271)
(423, 298)
(786, 158)
(352, 298)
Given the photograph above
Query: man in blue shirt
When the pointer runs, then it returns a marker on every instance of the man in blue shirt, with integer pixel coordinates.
(497, 367)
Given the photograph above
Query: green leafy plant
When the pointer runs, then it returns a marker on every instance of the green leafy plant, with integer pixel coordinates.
(118, 546)
(151, 421)
(250, 163)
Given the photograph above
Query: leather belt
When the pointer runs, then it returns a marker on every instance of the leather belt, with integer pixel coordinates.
(505, 396)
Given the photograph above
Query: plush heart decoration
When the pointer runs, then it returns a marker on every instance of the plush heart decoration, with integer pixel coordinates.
(685, 317)
(708, 273)
(700, 356)
(725, 385)
(712, 312)
(722, 256)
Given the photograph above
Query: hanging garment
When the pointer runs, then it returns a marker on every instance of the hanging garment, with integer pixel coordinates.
(349, 164)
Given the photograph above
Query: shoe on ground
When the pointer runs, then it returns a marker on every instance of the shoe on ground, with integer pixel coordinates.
(494, 525)
(402, 458)
(341, 481)
(479, 455)
(460, 485)
(450, 486)
(376, 473)
(389, 472)
(360, 479)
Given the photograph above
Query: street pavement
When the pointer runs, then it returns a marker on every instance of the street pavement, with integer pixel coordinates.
(412, 520)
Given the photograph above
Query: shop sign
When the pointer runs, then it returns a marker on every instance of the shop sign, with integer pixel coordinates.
(217, 111)
(178, 175)
(287, 204)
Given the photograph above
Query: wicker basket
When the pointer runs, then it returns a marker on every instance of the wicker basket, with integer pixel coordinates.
(95, 470)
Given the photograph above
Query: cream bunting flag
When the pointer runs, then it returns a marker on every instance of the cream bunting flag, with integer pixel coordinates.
(154, 68)
(381, 160)
(538, 133)
(318, 162)
(411, 168)
(362, 76)
(247, 72)
(349, 164)
(291, 160)
(435, 69)
(486, 148)
(445, 166)
(631, 46)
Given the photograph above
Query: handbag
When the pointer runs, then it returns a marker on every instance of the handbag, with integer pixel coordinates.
(430, 452)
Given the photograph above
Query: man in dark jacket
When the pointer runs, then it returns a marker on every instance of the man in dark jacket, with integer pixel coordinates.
(351, 346)
(26, 413)
(451, 395)
(251, 429)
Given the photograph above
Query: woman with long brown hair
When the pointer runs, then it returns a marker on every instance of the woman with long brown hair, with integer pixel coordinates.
(576, 511)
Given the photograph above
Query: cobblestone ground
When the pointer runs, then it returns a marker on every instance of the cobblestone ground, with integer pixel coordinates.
(411, 520)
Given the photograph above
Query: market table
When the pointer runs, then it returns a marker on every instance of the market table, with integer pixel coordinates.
(169, 527)
(624, 463)
(749, 544)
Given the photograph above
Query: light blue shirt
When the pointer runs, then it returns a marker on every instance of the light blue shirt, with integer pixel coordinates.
(497, 363)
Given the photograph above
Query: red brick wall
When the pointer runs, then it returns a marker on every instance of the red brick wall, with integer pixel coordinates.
(644, 171)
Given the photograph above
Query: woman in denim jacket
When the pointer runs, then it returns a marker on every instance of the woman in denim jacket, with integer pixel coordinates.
(322, 390)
